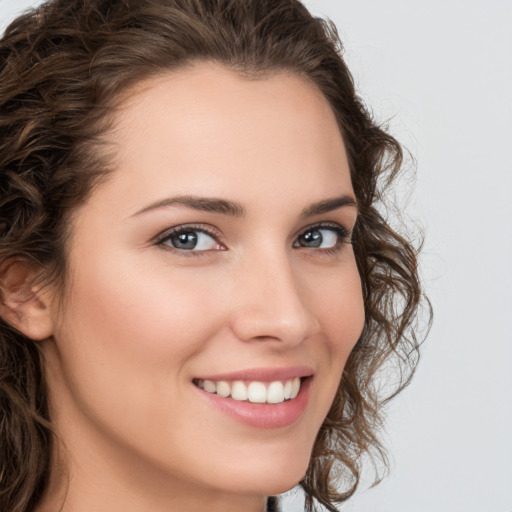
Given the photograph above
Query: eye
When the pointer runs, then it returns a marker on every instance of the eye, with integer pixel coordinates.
(322, 237)
(190, 239)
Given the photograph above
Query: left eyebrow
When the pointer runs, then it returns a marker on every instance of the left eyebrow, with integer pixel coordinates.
(328, 205)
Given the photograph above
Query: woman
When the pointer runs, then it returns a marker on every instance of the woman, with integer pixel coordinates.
(197, 287)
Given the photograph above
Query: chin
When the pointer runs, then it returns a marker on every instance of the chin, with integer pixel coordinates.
(282, 485)
(270, 484)
(275, 475)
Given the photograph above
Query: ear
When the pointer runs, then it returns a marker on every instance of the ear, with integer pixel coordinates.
(23, 305)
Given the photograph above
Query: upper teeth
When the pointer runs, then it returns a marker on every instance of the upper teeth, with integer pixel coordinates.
(256, 392)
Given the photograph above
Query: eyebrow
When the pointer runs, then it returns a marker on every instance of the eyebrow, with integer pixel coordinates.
(328, 205)
(234, 209)
(204, 204)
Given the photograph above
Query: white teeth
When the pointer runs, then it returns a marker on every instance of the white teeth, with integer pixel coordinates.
(239, 391)
(288, 389)
(223, 389)
(275, 393)
(295, 387)
(256, 392)
(210, 386)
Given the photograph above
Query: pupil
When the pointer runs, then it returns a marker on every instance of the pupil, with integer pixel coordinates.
(312, 238)
(185, 240)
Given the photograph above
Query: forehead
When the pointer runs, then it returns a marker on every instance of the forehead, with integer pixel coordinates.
(206, 128)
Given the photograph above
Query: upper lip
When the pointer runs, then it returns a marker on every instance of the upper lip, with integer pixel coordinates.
(262, 374)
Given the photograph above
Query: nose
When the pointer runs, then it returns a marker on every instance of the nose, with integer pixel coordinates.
(270, 304)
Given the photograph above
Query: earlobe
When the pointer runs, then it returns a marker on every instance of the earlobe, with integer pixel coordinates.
(22, 304)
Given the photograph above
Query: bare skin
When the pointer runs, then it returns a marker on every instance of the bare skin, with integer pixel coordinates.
(146, 317)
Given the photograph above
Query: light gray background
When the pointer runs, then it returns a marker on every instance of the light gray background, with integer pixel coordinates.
(441, 72)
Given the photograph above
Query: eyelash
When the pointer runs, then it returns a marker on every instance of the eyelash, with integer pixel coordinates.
(344, 237)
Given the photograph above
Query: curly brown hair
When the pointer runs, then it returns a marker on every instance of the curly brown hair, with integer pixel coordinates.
(63, 69)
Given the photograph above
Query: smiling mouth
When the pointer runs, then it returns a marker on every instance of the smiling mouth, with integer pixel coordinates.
(256, 392)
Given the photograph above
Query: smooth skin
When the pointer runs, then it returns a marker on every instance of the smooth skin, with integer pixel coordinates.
(148, 310)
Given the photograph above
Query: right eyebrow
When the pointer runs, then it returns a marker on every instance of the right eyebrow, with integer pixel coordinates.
(204, 204)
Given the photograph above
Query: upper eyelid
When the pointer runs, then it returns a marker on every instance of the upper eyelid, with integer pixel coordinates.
(209, 230)
(326, 225)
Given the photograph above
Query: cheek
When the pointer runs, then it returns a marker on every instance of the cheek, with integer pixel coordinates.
(124, 342)
(147, 315)
(339, 307)
(125, 347)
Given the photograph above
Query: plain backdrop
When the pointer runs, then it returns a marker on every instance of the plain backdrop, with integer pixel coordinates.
(440, 72)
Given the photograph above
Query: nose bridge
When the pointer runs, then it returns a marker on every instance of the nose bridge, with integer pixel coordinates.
(271, 302)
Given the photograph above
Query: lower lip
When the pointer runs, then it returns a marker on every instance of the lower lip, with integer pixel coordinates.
(262, 415)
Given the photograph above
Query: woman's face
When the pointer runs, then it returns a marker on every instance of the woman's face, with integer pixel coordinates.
(216, 256)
